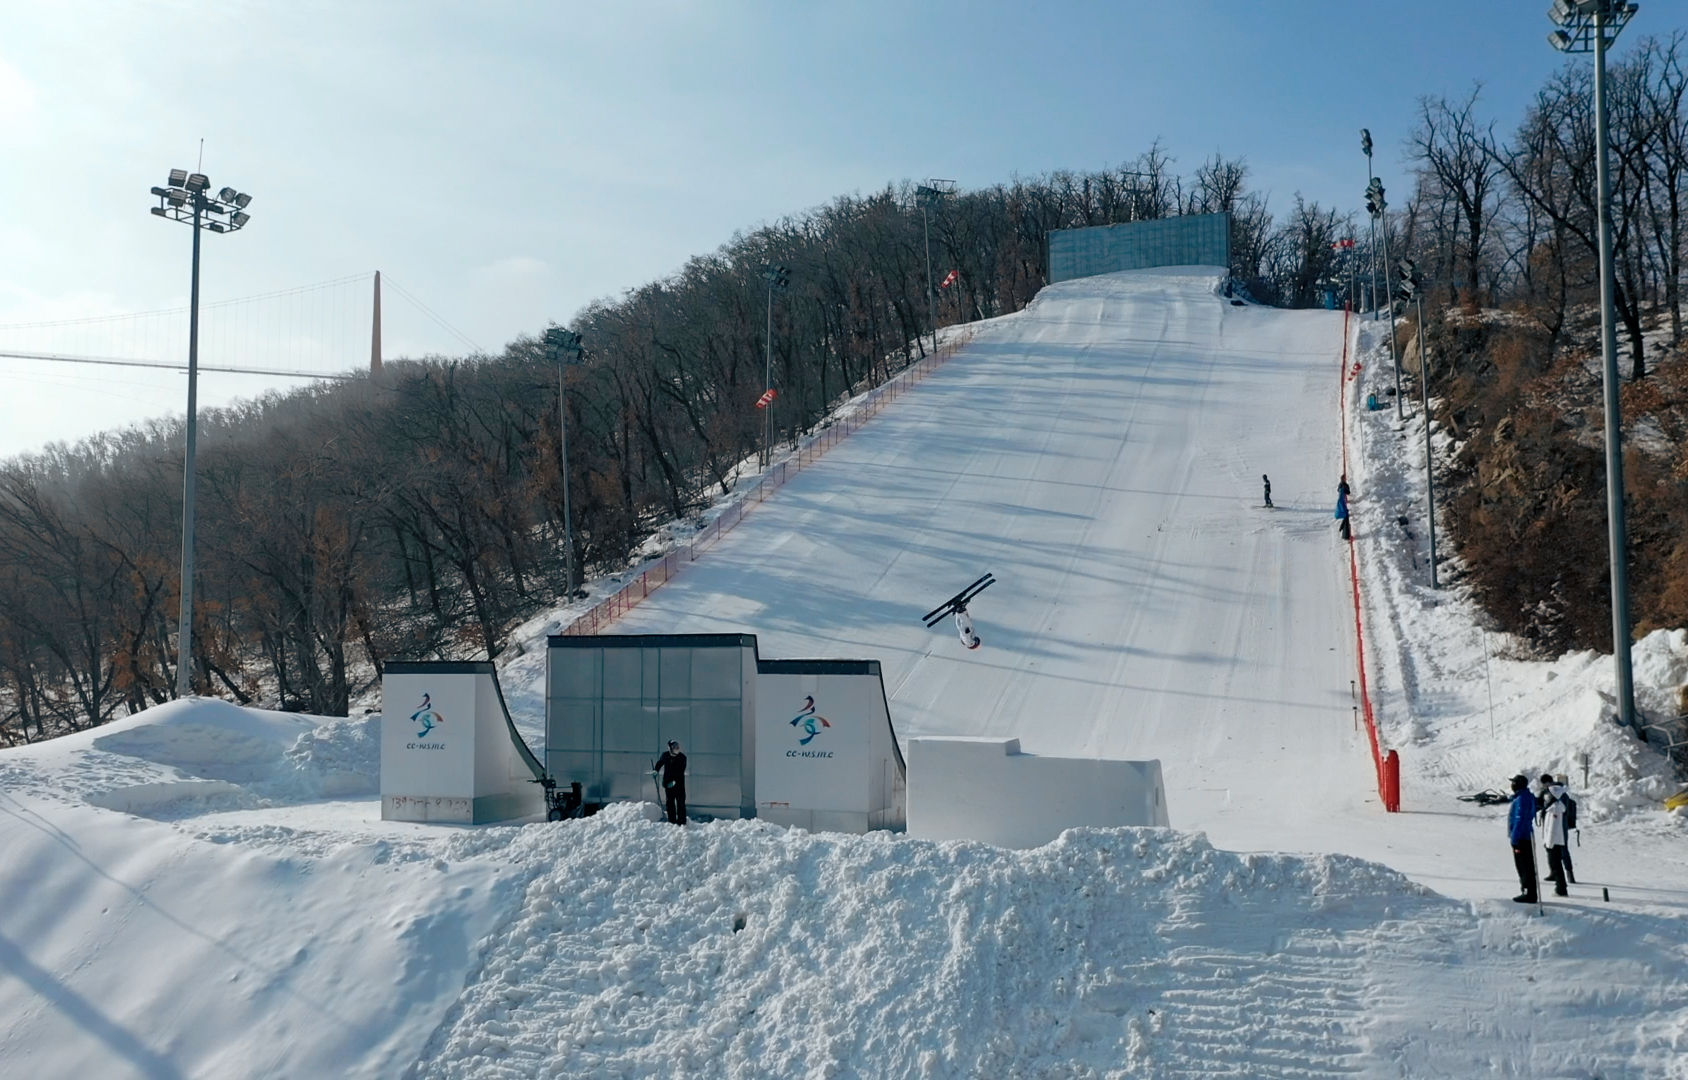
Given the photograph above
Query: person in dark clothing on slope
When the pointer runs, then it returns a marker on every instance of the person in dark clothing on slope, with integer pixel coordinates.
(672, 766)
(1520, 826)
(1342, 515)
(1267, 480)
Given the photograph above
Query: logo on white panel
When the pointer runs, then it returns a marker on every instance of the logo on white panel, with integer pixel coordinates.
(426, 718)
(812, 724)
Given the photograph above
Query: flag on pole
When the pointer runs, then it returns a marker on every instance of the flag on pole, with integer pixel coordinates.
(949, 279)
(767, 398)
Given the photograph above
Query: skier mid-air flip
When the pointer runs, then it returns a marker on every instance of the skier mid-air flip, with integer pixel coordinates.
(957, 606)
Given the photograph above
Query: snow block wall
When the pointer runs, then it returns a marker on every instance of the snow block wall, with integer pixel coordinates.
(449, 751)
(826, 755)
(985, 789)
(1189, 240)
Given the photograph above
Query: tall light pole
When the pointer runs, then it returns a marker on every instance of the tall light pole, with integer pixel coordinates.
(1412, 291)
(186, 198)
(1590, 26)
(1371, 221)
(563, 347)
(779, 280)
(1378, 208)
(930, 194)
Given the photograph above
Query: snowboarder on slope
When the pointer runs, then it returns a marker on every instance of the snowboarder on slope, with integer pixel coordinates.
(1267, 480)
(672, 766)
(1520, 824)
(1342, 516)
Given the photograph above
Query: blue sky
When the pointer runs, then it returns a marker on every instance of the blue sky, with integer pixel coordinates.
(508, 162)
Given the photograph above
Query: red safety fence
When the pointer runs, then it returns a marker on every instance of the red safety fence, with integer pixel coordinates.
(1388, 765)
(809, 450)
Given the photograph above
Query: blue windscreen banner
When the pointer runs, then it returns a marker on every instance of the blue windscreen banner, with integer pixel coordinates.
(1190, 240)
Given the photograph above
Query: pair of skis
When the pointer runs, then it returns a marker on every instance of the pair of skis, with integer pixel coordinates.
(957, 606)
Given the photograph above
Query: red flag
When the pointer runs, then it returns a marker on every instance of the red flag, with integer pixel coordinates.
(767, 398)
(949, 279)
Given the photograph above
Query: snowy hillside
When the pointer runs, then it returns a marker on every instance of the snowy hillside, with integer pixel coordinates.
(207, 891)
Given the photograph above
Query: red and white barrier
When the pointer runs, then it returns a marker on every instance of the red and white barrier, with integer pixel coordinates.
(1388, 765)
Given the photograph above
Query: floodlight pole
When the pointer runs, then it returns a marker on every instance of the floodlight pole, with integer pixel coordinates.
(184, 619)
(928, 193)
(563, 346)
(185, 200)
(1579, 21)
(1617, 537)
(1429, 470)
(563, 448)
(768, 378)
(931, 295)
(1389, 300)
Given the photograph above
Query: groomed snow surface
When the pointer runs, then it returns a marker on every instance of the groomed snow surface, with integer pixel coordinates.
(208, 891)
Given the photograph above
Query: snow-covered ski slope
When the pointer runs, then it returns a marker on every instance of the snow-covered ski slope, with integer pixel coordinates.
(1101, 454)
(206, 891)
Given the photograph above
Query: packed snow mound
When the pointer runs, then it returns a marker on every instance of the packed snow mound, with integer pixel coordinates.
(740, 948)
(196, 755)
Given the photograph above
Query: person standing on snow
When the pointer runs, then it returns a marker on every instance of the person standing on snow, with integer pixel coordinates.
(1342, 516)
(1267, 480)
(1553, 792)
(1520, 825)
(672, 766)
(1558, 852)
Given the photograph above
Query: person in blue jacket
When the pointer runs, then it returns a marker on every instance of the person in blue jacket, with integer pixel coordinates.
(1342, 514)
(1520, 829)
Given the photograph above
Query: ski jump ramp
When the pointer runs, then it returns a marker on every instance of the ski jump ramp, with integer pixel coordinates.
(449, 751)
(1100, 452)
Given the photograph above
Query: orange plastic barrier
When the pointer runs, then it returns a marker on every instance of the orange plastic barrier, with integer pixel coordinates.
(1388, 766)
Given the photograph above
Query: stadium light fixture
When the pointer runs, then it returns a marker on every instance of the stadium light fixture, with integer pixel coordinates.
(185, 200)
(1591, 26)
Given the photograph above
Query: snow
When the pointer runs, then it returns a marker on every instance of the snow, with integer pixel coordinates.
(204, 890)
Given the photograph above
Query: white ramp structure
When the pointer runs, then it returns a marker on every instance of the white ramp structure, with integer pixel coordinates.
(826, 755)
(963, 788)
(449, 752)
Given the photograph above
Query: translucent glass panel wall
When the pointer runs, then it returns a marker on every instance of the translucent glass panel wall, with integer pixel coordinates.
(1193, 240)
(612, 704)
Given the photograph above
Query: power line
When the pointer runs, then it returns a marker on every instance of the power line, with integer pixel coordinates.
(163, 365)
(335, 283)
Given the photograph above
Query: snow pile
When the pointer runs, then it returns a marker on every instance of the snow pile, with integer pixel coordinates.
(740, 949)
(200, 755)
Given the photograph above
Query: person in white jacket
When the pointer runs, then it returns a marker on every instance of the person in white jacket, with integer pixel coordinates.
(1558, 852)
